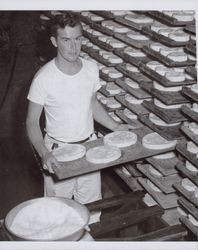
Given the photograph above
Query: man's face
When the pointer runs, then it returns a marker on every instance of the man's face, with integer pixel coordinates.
(68, 42)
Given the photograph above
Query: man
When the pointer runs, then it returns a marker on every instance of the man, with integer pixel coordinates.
(66, 88)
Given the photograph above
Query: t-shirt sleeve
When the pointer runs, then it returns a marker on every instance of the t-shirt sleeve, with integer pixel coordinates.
(37, 92)
(97, 85)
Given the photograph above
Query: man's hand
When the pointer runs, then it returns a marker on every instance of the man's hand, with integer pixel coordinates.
(121, 127)
(49, 161)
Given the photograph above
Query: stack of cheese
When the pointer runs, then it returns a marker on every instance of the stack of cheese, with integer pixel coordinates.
(114, 26)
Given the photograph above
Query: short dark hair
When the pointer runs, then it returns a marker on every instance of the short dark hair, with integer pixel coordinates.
(68, 18)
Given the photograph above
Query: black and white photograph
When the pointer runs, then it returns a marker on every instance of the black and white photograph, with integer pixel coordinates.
(99, 127)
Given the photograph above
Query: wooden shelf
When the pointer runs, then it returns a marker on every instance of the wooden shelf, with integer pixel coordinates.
(165, 60)
(190, 113)
(163, 183)
(165, 166)
(193, 137)
(169, 116)
(187, 173)
(166, 201)
(105, 77)
(191, 94)
(169, 133)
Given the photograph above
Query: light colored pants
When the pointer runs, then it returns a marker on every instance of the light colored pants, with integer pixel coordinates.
(84, 189)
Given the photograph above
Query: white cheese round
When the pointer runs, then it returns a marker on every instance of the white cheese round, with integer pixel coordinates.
(157, 46)
(164, 106)
(134, 52)
(137, 36)
(156, 142)
(112, 103)
(96, 18)
(195, 107)
(175, 76)
(193, 220)
(149, 201)
(131, 99)
(120, 139)
(157, 121)
(183, 17)
(113, 73)
(191, 167)
(112, 88)
(103, 154)
(153, 64)
(192, 148)
(153, 186)
(164, 156)
(196, 192)
(179, 36)
(162, 70)
(139, 19)
(188, 185)
(115, 59)
(132, 68)
(154, 171)
(194, 88)
(178, 56)
(131, 83)
(165, 32)
(160, 87)
(194, 127)
(130, 114)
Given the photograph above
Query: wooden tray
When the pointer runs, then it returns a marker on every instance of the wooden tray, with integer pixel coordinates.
(100, 59)
(129, 180)
(131, 42)
(171, 21)
(134, 123)
(190, 113)
(187, 173)
(188, 195)
(182, 149)
(165, 60)
(111, 109)
(138, 77)
(189, 207)
(101, 29)
(163, 183)
(133, 25)
(188, 92)
(191, 71)
(165, 166)
(169, 133)
(162, 39)
(169, 116)
(193, 137)
(161, 79)
(136, 108)
(190, 28)
(106, 78)
(191, 48)
(131, 59)
(189, 225)
(138, 93)
(105, 92)
(168, 98)
(166, 201)
(82, 166)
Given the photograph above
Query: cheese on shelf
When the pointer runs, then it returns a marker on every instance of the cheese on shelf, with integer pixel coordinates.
(125, 171)
(157, 121)
(154, 171)
(194, 88)
(183, 17)
(191, 167)
(149, 201)
(131, 99)
(115, 117)
(165, 32)
(188, 185)
(139, 19)
(164, 156)
(178, 56)
(153, 64)
(134, 52)
(164, 106)
(115, 59)
(175, 76)
(131, 83)
(157, 46)
(137, 36)
(162, 70)
(131, 68)
(193, 220)
(129, 114)
(181, 211)
(179, 36)
(153, 186)
(112, 88)
(192, 148)
(160, 87)
(112, 103)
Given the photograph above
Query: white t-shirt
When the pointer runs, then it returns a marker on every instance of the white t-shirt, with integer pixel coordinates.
(66, 100)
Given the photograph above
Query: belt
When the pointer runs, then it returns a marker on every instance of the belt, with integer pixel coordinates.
(55, 145)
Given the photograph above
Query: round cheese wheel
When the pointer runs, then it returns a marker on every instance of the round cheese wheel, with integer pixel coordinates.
(193, 220)
(125, 171)
(115, 59)
(192, 148)
(134, 52)
(112, 88)
(155, 141)
(192, 37)
(191, 167)
(164, 106)
(179, 36)
(139, 19)
(194, 127)
(175, 76)
(137, 36)
(69, 152)
(132, 68)
(157, 26)
(103, 154)
(119, 12)
(153, 64)
(96, 18)
(113, 73)
(161, 70)
(120, 29)
(120, 139)
(106, 55)
(153, 186)
(195, 107)
(191, 57)
(108, 24)
(96, 33)
(165, 51)
(181, 211)
(160, 87)
(131, 83)
(178, 56)
(112, 103)
(103, 38)
(157, 121)
(130, 114)
(89, 44)
(106, 70)
(115, 117)
(196, 192)
(188, 185)
(194, 88)
(157, 46)
(116, 44)
(183, 17)
(131, 99)
(103, 100)
(168, 155)
(154, 171)
(164, 32)
(149, 201)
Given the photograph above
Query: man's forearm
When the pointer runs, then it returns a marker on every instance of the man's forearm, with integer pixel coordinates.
(36, 138)
(102, 117)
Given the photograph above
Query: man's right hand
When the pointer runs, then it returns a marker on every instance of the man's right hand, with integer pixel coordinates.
(49, 161)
